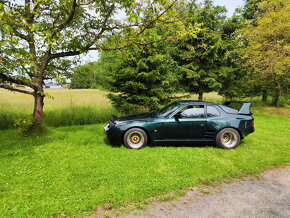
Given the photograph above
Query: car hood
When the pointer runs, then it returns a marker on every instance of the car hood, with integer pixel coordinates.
(137, 117)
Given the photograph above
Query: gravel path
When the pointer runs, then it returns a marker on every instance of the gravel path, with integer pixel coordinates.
(268, 196)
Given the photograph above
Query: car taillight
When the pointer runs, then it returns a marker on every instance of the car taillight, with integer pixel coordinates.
(253, 123)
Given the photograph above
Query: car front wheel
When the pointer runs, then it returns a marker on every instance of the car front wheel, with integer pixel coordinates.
(228, 138)
(135, 138)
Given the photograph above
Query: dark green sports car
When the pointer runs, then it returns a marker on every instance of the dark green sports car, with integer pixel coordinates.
(184, 122)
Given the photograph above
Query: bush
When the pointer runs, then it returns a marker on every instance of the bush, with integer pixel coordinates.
(29, 126)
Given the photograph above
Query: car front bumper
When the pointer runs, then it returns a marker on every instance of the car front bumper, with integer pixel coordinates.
(114, 134)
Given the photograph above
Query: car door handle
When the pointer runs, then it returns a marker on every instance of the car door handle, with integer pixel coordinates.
(202, 124)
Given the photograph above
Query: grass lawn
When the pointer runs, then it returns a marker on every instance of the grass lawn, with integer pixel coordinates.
(72, 170)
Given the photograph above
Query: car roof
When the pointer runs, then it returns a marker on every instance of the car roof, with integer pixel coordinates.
(191, 102)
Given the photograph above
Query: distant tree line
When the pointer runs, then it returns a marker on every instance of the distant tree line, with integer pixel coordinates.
(241, 56)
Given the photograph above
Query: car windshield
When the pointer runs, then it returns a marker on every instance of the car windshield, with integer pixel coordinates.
(168, 109)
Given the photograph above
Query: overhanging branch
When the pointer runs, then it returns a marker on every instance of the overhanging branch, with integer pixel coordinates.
(11, 88)
(131, 42)
(128, 45)
(73, 53)
(9, 79)
(65, 54)
(22, 36)
(154, 20)
(69, 18)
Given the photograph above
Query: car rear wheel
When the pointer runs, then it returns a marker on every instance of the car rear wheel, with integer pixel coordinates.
(135, 138)
(228, 138)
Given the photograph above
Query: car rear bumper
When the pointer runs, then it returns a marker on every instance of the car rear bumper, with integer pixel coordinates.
(249, 130)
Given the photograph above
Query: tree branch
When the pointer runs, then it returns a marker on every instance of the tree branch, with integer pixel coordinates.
(88, 48)
(130, 44)
(22, 36)
(73, 53)
(157, 18)
(9, 79)
(105, 21)
(11, 88)
(64, 54)
(33, 12)
(88, 3)
(70, 17)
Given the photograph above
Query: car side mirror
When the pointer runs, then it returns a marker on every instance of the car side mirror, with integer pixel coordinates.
(177, 117)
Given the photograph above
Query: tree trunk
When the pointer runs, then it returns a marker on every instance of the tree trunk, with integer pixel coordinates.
(38, 107)
(200, 95)
(264, 96)
(277, 96)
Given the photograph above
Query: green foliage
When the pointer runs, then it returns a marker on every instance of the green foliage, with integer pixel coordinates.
(38, 36)
(8, 119)
(201, 57)
(71, 171)
(29, 126)
(95, 74)
(145, 78)
(251, 10)
(85, 77)
(265, 47)
(233, 78)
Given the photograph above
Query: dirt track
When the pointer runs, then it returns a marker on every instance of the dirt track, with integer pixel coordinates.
(268, 196)
(265, 195)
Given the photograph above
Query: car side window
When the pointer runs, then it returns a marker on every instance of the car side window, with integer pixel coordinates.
(195, 111)
(211, 111)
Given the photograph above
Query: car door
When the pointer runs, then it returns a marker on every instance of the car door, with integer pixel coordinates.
(189, 126)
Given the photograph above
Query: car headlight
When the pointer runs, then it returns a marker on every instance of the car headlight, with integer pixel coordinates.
(107, 127)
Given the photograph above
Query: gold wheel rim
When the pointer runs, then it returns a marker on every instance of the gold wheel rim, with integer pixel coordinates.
(135, 138)
(226, 137)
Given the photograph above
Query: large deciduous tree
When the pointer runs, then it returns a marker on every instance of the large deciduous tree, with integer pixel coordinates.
(37, 35)
(266, 46)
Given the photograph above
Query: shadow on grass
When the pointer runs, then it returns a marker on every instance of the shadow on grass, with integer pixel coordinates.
(14, 142)
(195, 145)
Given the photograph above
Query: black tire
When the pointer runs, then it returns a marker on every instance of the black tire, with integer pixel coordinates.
(135, 138)
(228, 138)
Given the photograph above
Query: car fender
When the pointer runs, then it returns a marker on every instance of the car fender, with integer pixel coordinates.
(238, 130)
(218, 124)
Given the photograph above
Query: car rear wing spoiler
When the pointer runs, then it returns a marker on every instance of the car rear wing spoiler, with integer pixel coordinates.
(244, 110)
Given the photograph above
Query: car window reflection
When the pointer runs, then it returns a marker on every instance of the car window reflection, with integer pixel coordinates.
(192, 111)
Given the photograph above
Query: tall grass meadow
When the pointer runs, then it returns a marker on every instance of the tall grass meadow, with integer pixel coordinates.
(65, 107)
(61, 108)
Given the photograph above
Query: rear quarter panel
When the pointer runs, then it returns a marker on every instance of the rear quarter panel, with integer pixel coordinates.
(242, 123)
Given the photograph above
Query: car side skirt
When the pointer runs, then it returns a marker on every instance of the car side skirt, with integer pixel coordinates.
(183, 141)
